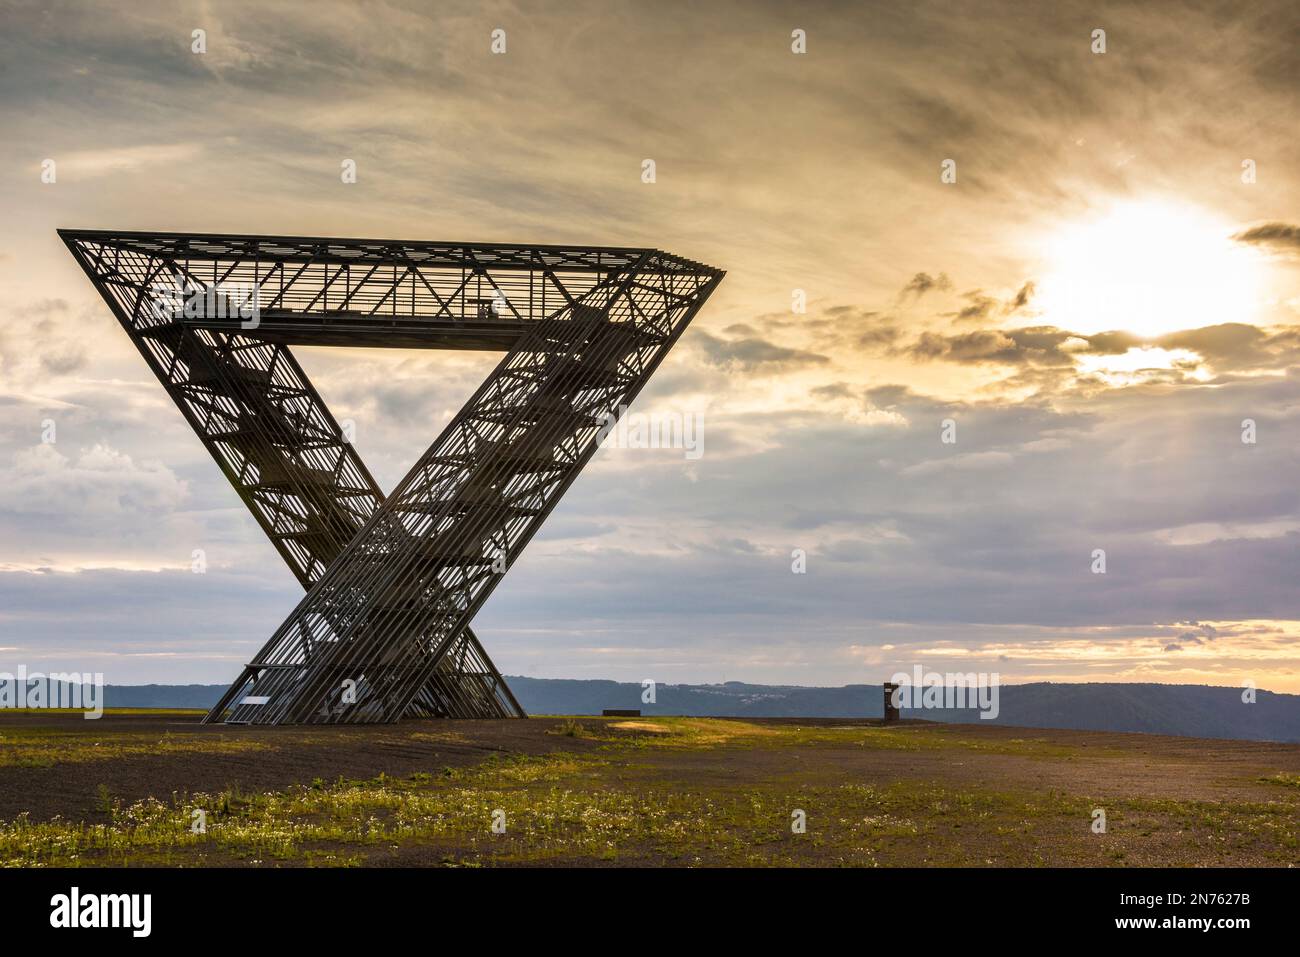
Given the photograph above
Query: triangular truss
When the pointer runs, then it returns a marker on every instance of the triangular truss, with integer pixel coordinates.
(392, 582)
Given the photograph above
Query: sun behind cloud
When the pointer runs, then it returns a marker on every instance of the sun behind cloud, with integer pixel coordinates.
(1149, 268)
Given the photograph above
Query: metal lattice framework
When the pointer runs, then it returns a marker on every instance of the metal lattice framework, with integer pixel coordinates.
(392, 581)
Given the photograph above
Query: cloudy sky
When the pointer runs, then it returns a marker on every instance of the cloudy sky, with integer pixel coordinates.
(1107, 290)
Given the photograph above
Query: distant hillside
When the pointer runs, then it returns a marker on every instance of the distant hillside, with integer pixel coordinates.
(1198, 711)
(162, 696)
(1191, 710)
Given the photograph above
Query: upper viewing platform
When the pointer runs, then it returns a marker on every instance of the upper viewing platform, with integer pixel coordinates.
(365, 292)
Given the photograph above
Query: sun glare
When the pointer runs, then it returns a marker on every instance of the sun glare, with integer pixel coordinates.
(1139, 365)
(1148, 268)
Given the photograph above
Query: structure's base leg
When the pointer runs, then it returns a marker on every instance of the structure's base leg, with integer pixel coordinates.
(466, 684)
(233, 694)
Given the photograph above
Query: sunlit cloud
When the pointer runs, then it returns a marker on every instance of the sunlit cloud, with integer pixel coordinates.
(1142, 364)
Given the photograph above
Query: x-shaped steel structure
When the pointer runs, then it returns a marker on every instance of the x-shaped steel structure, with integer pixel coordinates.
(392, 581)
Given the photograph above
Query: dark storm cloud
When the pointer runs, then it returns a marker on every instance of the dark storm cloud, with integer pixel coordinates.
(923, 282)
(848, 328)
(752, 354)
(980, 307)
(836, 390)
(887, 396)
(1022, 297)
(1232, 345)
(1227, 348)
(1039, 345)
(1279, 236)
(879, 334)
(63, 361)
(1112, 343)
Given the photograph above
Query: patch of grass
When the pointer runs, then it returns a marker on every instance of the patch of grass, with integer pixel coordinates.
(922, 738)
(637, 798)
(684, 733)
(1284, 779)
(566, 807)
(570, 728)
(46, 748)
(438, 737)
(704, 733)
